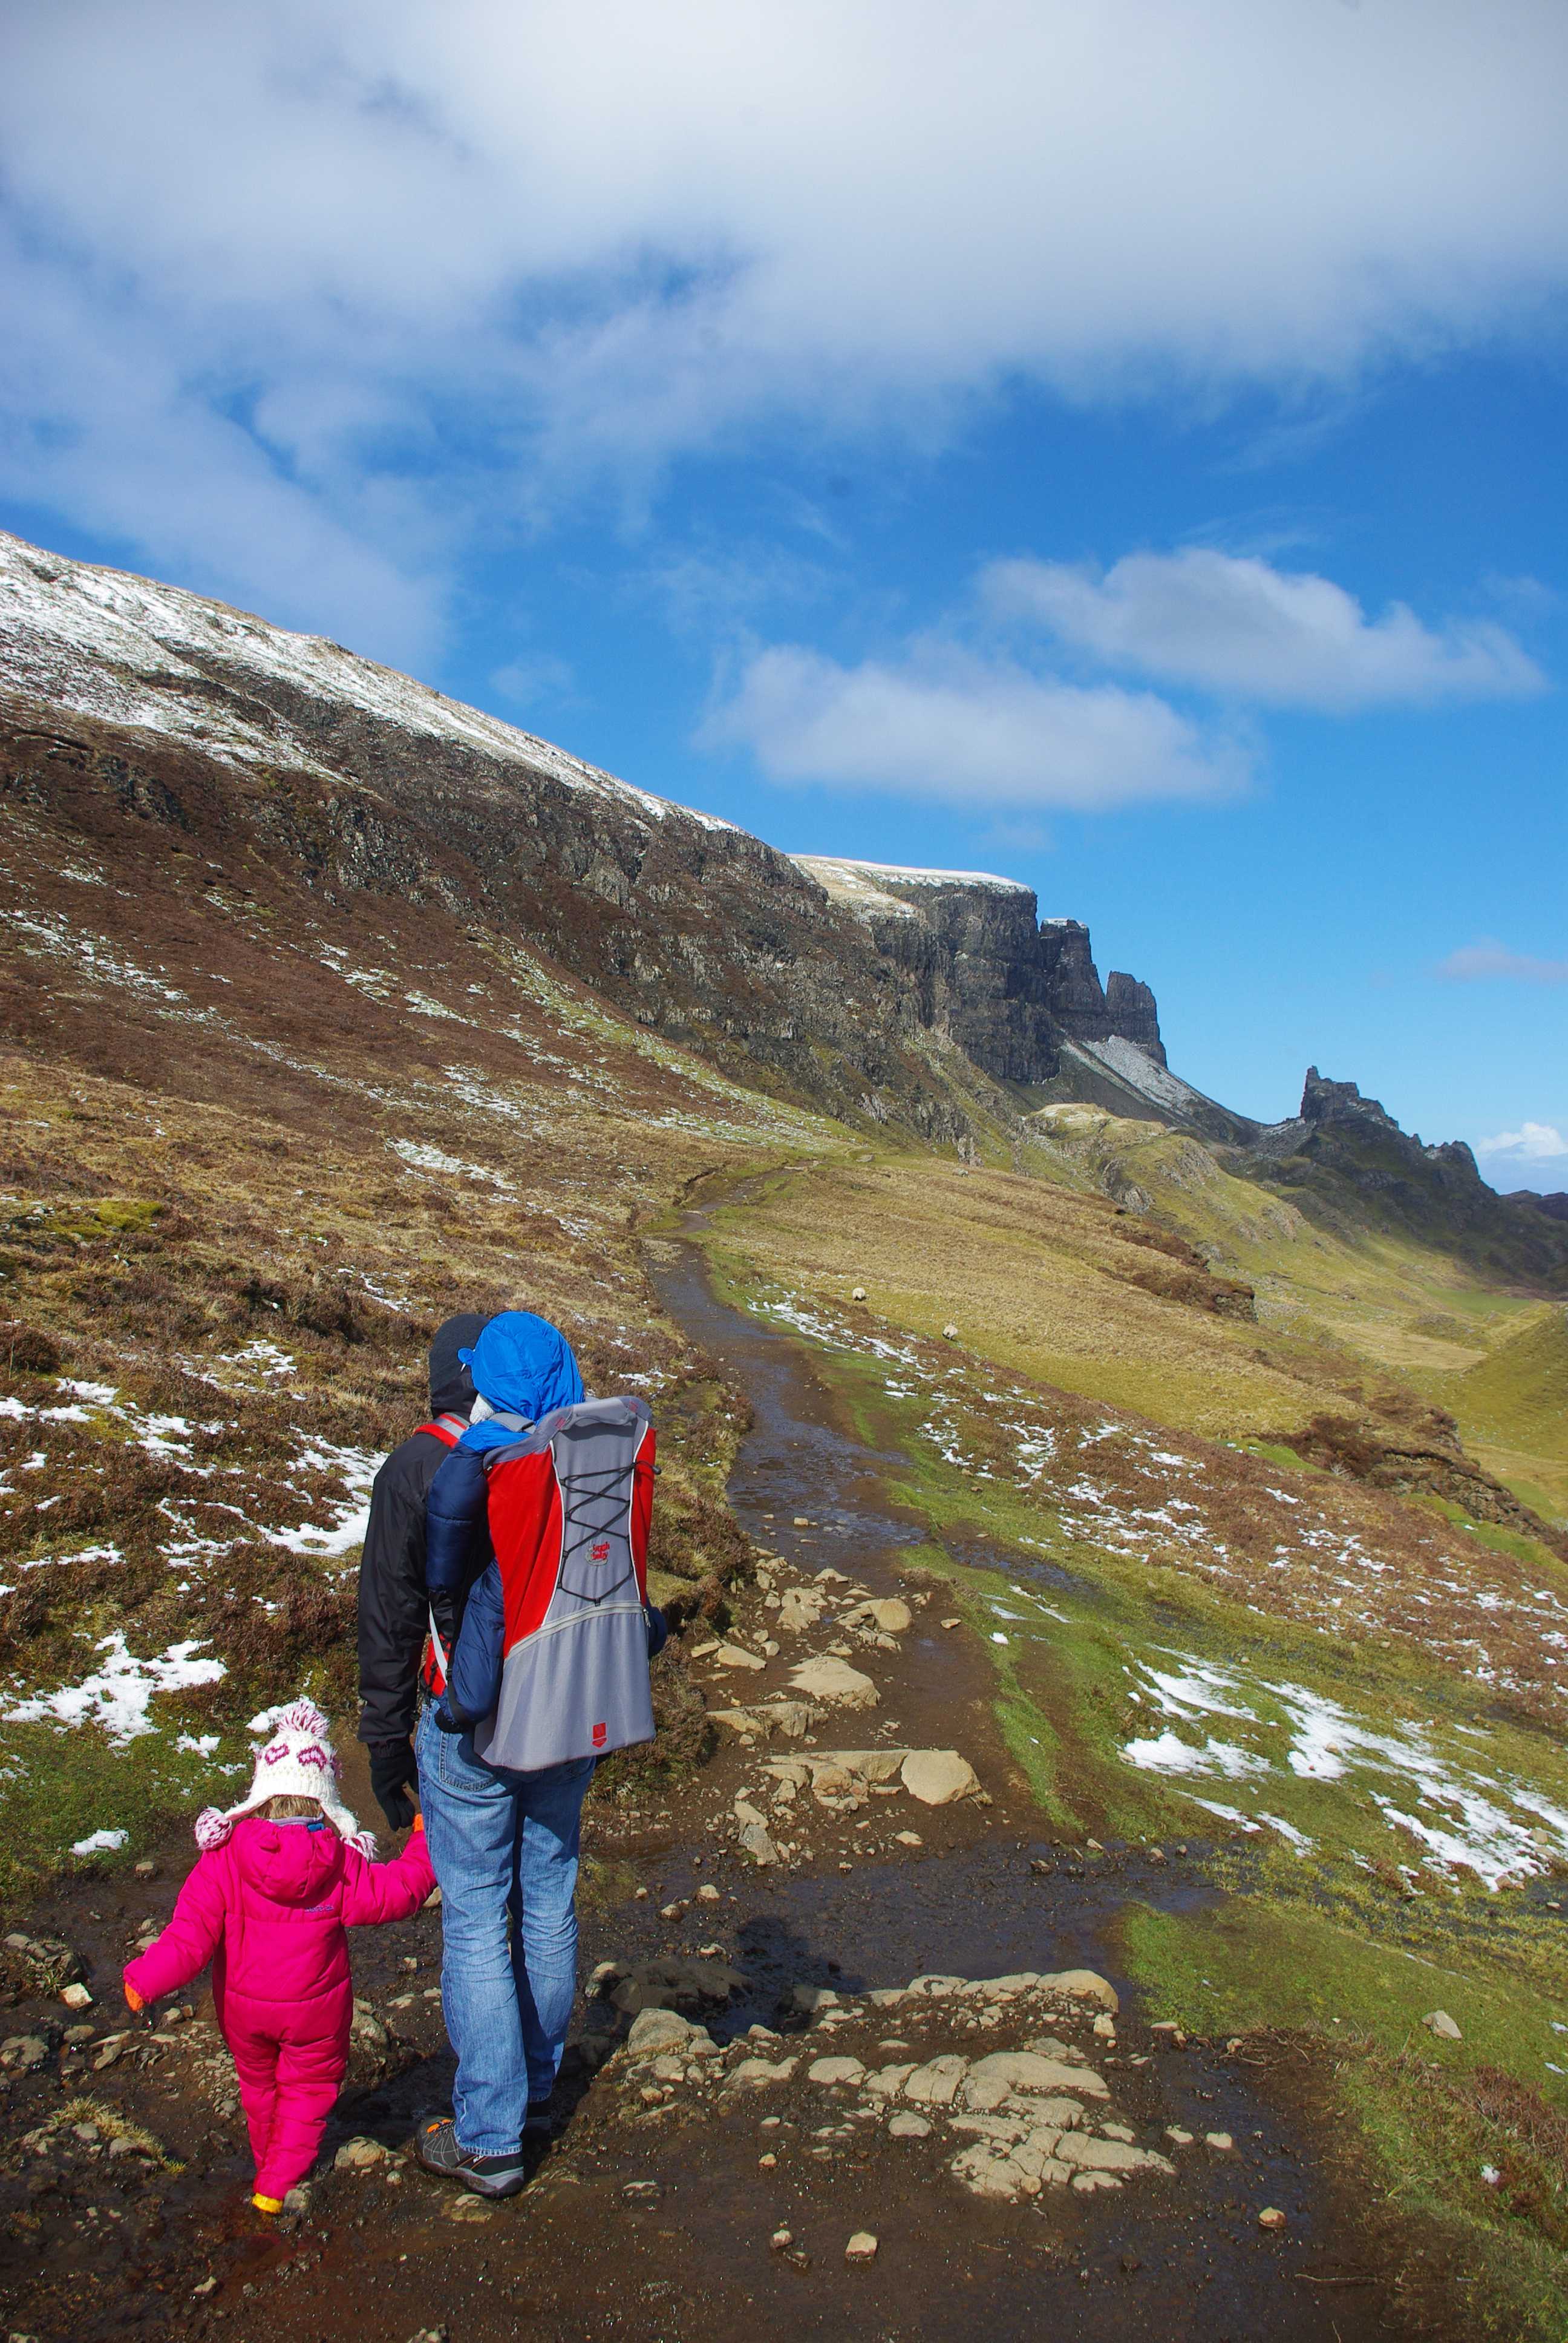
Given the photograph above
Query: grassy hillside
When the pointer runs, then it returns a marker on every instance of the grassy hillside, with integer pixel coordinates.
(253, 1155)
(1511, 1401)
(1369, 1314)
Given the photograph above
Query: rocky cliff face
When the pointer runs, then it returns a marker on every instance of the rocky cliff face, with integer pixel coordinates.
(135, 711)
(982, 968)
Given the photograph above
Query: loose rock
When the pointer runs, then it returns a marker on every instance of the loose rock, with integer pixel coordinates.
(1081, 1985)
(887, 1614)
(862, 2248)
(466, 2208)
(836, 2070)
(937, 1777)
(836, 1681)
(757, 2074)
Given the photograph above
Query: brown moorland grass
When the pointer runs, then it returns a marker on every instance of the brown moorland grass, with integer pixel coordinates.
(239, 1192)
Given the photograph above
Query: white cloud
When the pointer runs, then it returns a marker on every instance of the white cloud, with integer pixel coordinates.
(1530, 1144)
(534, 678)
(1243, 629)
(1491, 959)
(484, 248)
(940, 724)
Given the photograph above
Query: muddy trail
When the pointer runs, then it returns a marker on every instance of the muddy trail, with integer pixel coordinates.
(1028, 2160)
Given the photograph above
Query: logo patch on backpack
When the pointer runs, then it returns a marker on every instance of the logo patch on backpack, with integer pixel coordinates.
(602, 1550)
(601, 1735)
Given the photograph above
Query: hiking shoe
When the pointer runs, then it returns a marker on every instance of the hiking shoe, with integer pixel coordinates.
(537, 2123)
(487, 2175)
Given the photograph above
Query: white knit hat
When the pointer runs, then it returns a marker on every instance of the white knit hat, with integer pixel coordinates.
(298, 1761)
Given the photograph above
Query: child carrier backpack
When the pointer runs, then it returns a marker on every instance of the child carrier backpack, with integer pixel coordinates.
(569, 1506)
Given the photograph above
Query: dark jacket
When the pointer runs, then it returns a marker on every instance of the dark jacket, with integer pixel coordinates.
(393, 1604)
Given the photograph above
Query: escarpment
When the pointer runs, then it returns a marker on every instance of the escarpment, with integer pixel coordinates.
(981, 968)
(229, 751)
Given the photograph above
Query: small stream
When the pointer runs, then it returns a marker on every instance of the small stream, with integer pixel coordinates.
(980, 1912)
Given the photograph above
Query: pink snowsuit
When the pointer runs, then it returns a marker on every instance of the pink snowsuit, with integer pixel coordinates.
(269, 1908)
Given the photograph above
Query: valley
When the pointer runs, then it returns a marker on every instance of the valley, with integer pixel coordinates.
(1216, 1472)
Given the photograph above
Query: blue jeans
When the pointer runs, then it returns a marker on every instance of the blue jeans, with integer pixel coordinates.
(504, 1851)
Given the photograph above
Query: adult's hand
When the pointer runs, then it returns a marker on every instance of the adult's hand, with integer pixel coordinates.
(393, 1774)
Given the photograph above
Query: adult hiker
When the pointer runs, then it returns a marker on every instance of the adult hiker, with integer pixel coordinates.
(394, 1609)
(536, 1559)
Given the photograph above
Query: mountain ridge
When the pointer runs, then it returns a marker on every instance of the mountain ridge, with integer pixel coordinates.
(210, 750)
(206, 720)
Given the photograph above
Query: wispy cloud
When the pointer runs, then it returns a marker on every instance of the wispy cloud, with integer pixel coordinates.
(941, 724)
(1532, 1142)
(1247, 630)
(535, 679)
(1474, 964)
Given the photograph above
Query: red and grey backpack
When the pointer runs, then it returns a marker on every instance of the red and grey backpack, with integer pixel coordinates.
(570, 1501)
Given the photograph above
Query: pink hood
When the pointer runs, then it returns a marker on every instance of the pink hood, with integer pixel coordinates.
(286, 1863)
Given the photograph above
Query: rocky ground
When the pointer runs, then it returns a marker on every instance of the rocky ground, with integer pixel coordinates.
(854, 2050)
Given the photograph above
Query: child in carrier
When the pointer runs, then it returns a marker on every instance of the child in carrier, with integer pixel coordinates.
(280, 1878)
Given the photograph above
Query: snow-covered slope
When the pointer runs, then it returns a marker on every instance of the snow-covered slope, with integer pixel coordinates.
(859, 887)
(131, 651)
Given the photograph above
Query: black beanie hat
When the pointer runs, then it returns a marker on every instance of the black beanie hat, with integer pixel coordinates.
(451, 1385)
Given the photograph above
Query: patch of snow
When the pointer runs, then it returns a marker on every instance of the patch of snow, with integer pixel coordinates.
(425, 1005)
(433, 1159)
(855, 884)
(356, 1468)
(1297, 1838)
(101, 1842)
(117, 1695)
(263, 1358)
(79, 1553)
(1170, 1755)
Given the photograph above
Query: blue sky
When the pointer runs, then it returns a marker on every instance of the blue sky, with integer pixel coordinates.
(1120, 449)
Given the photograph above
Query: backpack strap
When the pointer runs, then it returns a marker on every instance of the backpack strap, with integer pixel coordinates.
(447, 1429)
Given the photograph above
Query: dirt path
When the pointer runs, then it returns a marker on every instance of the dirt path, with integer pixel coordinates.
(654, 2215)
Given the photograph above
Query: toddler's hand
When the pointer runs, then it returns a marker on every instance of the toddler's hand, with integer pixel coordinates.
(135, 1998)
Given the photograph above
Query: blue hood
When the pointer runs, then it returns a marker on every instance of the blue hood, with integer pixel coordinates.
(524, 1366)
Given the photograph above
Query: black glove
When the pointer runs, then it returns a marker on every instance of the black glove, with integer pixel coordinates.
(393, 1773)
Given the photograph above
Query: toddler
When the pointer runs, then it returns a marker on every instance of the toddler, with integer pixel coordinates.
(279, 1879)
